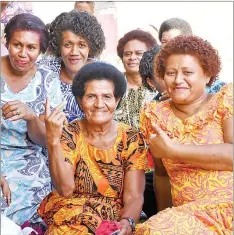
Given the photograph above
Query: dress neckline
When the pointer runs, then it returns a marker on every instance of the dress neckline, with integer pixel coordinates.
(200, 111)
(114, 146)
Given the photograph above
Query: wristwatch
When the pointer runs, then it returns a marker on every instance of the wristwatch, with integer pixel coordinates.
(131, 222)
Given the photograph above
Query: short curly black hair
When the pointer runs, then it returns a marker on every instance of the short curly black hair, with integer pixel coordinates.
(99, 71)
(190, 45)
(28, 22)
(80, 23)
(147, 65)
(136, 34)
(175, 23)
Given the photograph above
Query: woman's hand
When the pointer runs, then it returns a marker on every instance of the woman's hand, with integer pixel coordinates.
(54, 122)
(16, 110)
(160, 144)
(126, 228)
(6, 190)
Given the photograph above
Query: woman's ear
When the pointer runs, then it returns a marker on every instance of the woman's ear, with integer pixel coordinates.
(78, 100)
(207, 80)
(117, 101)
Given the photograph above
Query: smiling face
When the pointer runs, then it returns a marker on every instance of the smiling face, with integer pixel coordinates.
(133, 52)
(99, 102)
(185, 79)
(24, 49)
(74, 52)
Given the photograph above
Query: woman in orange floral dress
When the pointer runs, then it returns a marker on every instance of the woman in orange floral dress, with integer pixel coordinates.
(191, 134)
(97, 166)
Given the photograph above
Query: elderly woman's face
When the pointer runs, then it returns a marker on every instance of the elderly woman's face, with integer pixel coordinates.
(74, 51)
(99, 102)
(132, 54)
(184, 78)
(24, 49)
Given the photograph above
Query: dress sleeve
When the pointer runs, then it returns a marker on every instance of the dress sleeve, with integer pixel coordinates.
(69, 144)
(226, 101)
(135, 151)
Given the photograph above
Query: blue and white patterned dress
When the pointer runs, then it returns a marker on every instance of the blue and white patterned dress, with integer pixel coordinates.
(71, 109)
(22, 162)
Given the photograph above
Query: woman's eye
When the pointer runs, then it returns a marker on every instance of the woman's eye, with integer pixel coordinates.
(127, 54)
(139, 53)
(31, 48)
(170, 73)
(17, 45)
(67, 45)
(82, 45)
(188, 72)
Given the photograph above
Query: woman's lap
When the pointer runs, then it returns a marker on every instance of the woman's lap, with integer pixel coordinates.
(206, 218)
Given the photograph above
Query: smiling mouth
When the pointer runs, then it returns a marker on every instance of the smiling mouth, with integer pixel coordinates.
(22, 63)
(74, 61)
(133, 65)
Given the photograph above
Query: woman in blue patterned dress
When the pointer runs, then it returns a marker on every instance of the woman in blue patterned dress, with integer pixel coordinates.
(74, 37)
(24, 89)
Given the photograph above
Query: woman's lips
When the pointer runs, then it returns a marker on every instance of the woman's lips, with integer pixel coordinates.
(21, 62)
(74, 61)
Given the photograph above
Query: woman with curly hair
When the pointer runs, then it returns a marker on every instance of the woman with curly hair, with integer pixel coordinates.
(74, 37)
(130, 49)
(191, 140)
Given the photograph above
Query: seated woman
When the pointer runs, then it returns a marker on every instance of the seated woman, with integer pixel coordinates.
(130, 49)
(190, 138)
(96, 164)
(24, 89)
(74, 36)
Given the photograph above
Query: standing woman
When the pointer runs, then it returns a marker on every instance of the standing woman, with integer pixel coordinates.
(24, 89)
(74, 36)
(130, 49)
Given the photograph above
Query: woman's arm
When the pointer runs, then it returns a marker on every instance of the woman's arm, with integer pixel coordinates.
(209, 157)
(61, 172)
(162, 186)
(133, 198)
(133, 194)
(36, 130)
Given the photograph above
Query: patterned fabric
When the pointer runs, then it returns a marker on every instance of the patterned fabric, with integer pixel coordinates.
(128, 110)
(215, 87)
(22, 161)
(203, 198)
(99, 177)
(72, 109)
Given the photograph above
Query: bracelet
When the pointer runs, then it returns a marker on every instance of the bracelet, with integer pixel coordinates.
(131, 222)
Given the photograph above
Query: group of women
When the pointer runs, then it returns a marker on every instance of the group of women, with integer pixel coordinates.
(98, 125)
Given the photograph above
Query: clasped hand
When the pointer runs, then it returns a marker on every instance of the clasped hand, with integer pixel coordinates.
(16, 110)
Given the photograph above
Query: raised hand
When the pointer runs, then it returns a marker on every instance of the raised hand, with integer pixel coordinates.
(54, 122)
(161, 146)
(16, 110)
